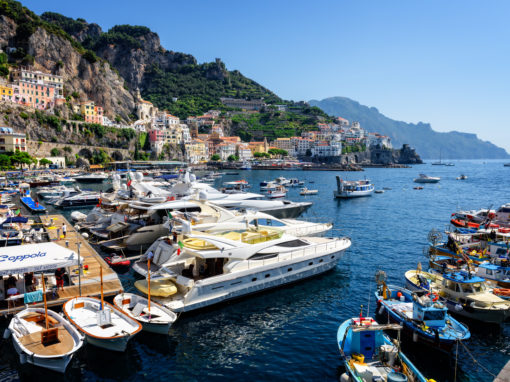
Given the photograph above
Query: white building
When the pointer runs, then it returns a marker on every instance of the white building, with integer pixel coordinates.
(327, 149)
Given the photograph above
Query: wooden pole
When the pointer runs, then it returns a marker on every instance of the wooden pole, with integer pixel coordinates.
(45, 304)
(101, 276)
(149, 284)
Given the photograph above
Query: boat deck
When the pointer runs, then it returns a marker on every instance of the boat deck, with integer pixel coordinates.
(90, 280)
(32, 342)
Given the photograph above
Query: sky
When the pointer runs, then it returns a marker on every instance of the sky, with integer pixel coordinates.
(435, 61)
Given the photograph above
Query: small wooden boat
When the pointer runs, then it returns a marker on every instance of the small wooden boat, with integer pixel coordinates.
(379, 191)
(44, 339)
(103, 324)
(306, 191)
(370, 355)
(417, 188)
(154, 317)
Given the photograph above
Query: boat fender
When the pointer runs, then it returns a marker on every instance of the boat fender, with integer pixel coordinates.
(381, 309)
(22, 358)
(458, 307)
(7, 333)
(85, 235)
(345, 378)
(415, 336)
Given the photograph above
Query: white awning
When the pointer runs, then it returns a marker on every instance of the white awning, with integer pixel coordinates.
(35, 258)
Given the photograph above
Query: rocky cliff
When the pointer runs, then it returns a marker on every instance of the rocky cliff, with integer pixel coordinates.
(429, 143)
(374, 156)
(30, 40)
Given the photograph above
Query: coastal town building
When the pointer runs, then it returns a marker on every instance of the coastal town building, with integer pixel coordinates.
(57, 162)
(6, 91)
(196, 151)
(244, 104)
(90, 111)
(10, 141)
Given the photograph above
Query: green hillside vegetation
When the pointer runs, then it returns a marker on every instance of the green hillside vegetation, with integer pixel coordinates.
(196, 93)
(275, 124)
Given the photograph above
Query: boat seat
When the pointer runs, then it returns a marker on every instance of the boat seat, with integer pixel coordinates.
(104, 318)
(138, 309)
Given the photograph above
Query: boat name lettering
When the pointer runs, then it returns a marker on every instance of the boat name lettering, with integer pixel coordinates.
(22, 257)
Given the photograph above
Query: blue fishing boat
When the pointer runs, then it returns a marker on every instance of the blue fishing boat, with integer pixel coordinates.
(370, 355)
(422, 316)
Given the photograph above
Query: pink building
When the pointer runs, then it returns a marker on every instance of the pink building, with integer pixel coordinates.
(37, 95)
(156, 136)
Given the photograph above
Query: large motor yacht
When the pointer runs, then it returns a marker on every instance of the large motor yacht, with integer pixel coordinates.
(210, 269)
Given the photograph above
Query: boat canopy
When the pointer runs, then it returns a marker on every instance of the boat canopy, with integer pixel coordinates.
(460, 277)
(35, 258)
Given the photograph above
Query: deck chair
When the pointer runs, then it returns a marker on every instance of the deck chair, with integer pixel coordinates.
(104, 317)
(138, 310)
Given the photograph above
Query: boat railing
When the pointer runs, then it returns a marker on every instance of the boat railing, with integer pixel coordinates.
(292, 255)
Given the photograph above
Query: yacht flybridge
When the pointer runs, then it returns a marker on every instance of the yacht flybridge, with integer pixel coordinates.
(210, 269)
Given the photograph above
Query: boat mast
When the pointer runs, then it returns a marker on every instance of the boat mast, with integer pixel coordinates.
(149, 285)
(102, 297)
(45, 303)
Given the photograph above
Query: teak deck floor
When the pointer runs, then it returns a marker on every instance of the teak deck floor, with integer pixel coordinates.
(33, 343)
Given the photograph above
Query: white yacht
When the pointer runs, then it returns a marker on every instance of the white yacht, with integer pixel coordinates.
(216, 268)
(98, 177)
(426, 179)
(81, 199)
(353, 189)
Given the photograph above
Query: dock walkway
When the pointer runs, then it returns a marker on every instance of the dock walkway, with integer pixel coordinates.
(90, 280)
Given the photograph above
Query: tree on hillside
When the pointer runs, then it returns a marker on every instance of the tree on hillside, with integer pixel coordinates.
(55, 152)
(215, 157)
(21, 158)
(44, 162)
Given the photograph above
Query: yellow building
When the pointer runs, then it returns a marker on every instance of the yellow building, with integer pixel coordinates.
(6, 92)
(11, 141)
(196, 151)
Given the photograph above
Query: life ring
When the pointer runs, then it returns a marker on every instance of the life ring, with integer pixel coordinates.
(435, 296)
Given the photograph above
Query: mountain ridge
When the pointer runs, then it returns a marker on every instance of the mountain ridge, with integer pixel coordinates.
(427, 142)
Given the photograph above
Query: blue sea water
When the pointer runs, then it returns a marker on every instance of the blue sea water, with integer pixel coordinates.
(290, 333)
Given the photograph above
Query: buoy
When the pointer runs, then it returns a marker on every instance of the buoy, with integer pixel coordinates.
(458, 307)
(85, 235)
(7, 333)
(22, 358)
(415, 337)
(345, 378)
(381, 309)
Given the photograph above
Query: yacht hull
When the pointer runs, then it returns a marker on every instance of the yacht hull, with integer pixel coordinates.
(268, 277)
(286, 212)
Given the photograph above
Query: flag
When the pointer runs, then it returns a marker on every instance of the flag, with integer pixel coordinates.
(170, 215)
(180, 244)
(128, 180)
(18, 212)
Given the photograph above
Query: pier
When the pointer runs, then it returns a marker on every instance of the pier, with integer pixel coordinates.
(504, 374)
(90, 279)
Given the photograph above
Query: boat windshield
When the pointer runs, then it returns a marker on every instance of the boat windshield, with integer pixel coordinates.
(474, 287)
(434, 315)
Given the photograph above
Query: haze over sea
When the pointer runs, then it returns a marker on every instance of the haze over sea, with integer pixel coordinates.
(290, 333)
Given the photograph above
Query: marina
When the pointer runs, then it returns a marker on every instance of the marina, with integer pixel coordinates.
(328, 288)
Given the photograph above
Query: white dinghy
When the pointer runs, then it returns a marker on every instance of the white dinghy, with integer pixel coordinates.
(43, 338)
(103, 324)
(51, 345)
(154, 317)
